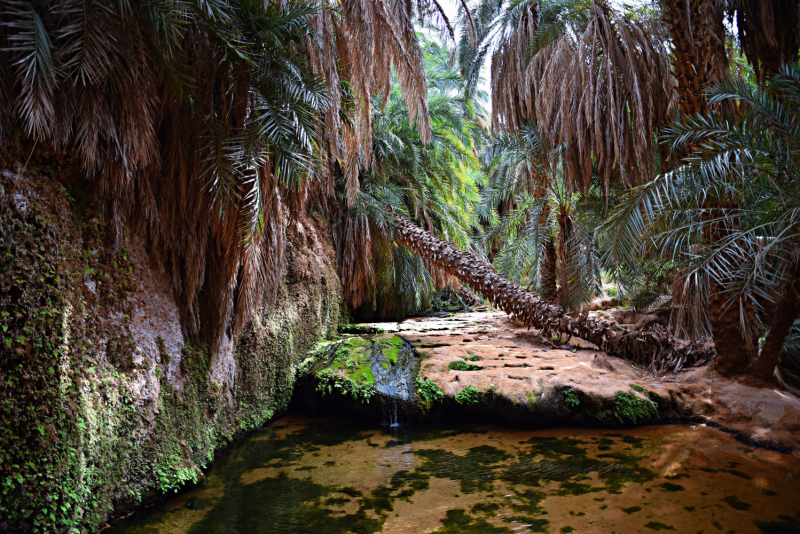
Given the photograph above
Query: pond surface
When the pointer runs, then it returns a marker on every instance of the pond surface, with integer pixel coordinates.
(325, 476)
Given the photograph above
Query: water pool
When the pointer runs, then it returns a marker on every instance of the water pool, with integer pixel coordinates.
(301, 475)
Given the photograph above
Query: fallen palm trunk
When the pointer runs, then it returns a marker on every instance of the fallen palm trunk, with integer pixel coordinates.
(653, 347)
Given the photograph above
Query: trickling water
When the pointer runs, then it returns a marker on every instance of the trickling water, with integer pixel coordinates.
(394, 381)
(325, 476)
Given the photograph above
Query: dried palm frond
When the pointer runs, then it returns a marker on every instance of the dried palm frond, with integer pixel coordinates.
(604, 95)
(204, 125)
(769, 31)
(512, 99)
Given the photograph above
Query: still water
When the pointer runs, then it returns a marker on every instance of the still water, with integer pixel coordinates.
(325, 476)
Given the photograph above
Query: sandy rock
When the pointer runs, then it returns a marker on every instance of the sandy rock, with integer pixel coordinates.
(525, 382)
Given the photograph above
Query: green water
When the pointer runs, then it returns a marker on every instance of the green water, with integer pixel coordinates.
(325, 476)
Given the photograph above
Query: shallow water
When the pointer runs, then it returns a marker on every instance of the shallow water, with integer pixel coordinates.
(303, 475)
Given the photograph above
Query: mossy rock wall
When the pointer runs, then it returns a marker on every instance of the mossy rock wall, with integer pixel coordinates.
(103, 404)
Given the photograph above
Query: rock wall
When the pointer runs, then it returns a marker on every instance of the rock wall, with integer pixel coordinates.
(103, 403)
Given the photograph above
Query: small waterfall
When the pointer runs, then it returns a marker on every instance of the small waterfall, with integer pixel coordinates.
(394, 381)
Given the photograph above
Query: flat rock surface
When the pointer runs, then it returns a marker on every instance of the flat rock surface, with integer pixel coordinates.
(524, 380)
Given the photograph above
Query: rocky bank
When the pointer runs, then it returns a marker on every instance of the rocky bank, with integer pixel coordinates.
(481, 367)
(103, 403)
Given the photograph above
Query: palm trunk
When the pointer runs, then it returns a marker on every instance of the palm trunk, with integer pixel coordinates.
(786, 313)
(735, 350)
(653, 347)
(549, 273)
(698, 36)
(734, 354)
(699, 59)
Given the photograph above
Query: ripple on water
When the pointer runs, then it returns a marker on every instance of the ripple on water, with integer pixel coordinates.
(323, 476)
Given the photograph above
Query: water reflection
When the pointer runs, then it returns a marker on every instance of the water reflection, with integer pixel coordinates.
(326, 476)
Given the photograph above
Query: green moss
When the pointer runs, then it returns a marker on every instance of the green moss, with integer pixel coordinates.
(531, 400)
(360, 386)
(469, 395)
(390, 347)
(631, 408)
(460, 365)
(77, 438)
(637, 387)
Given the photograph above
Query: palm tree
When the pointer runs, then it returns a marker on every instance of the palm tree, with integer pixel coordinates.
(541, 237)
(116, 87)
(653, 347)
(432, 183)
(619, 90)
(697, 34)
(205, 125)
(728, 218)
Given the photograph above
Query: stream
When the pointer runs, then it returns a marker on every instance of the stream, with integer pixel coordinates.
(302, 475)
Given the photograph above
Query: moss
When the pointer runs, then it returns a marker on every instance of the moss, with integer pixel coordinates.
(460, 365)
(531, 400)
(77, 438)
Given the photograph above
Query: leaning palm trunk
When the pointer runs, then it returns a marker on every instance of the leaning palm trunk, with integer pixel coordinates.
(654, 347)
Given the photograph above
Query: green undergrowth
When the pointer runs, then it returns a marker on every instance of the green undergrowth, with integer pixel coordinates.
(428, 391)
(92, 418)
(469, 395)
(631, 408)
(571, 398)
(460, 365)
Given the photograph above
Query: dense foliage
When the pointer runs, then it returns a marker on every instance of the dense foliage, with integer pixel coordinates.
(206, 127)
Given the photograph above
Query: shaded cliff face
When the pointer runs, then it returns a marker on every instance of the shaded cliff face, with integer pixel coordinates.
(103, 403)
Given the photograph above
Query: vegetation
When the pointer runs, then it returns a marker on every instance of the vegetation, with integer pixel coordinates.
(469, 395)
(460, 365)
(428, 390)
(341, 107)
(630, 408)
(571, 398)
(208, 132)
